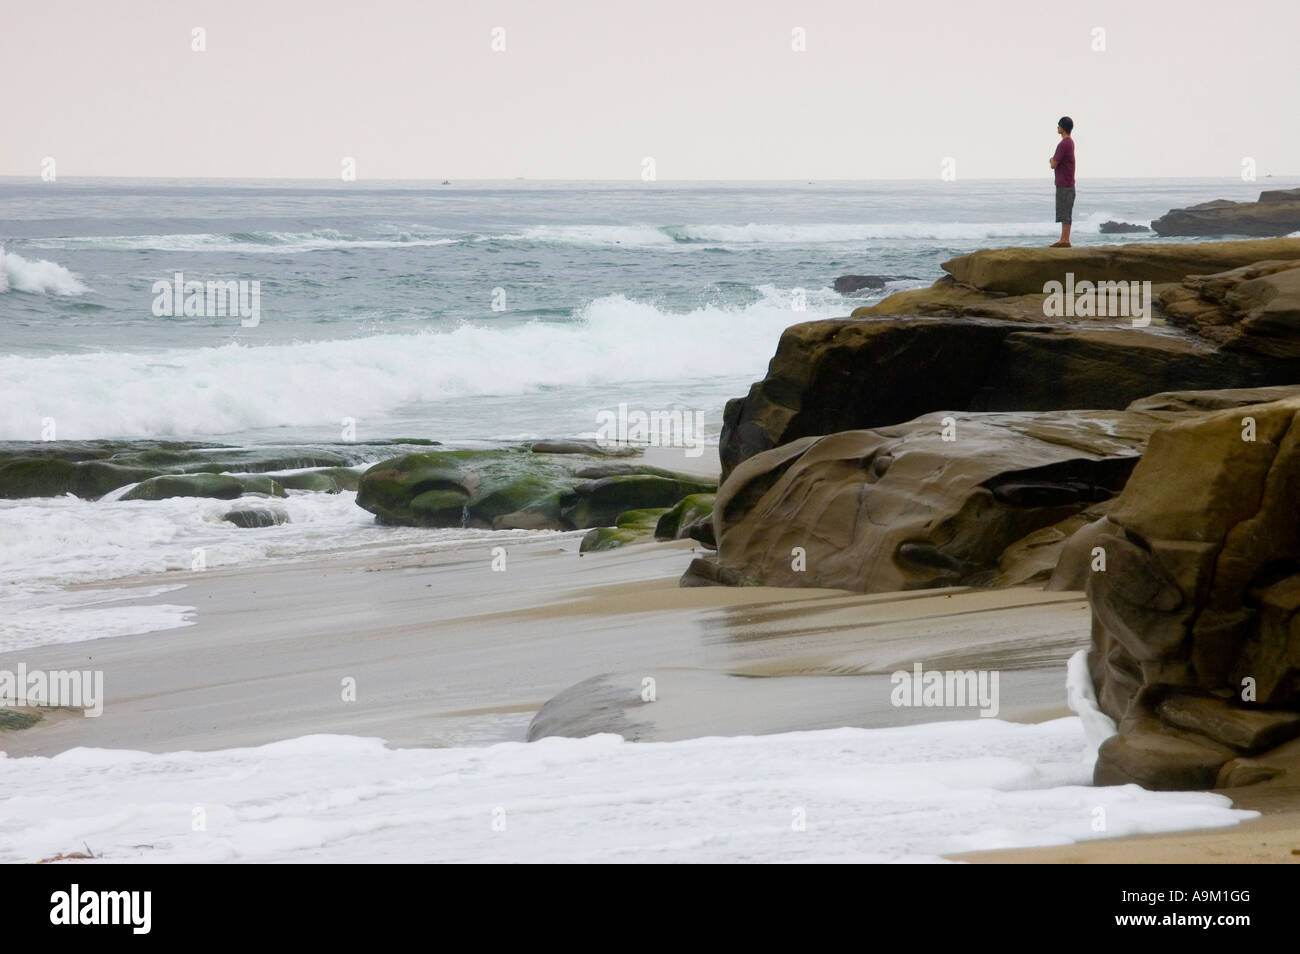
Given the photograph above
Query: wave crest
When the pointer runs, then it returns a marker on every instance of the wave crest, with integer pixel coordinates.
(37, 278)
(236, 387)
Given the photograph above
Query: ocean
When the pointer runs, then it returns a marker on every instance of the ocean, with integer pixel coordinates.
(465, 312)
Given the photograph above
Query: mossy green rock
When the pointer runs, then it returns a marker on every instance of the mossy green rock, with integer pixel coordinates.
(633, 526)
(48, 477)
(597, 503)
(254, 517)
(477, 488)
(620, 469)
(607, 538)
(514, 488)
(220, 486)
(644, 520)
(675, 522)
(331, 480)
(15, 719)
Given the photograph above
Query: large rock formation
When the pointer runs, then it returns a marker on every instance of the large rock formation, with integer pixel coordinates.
(1195, 590)
(878, 368)
(847, 374)
(1023, 271)
(945, 499)
(1277, 212)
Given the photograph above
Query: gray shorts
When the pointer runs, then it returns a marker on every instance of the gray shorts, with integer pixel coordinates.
(1064, 203)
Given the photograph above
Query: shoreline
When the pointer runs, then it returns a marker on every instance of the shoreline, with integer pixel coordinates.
(265, 656)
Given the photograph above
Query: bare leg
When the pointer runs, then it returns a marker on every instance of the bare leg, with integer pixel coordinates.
(1065, 233)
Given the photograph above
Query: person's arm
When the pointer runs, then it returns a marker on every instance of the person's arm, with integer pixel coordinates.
(1056, 156)
(1054, 162)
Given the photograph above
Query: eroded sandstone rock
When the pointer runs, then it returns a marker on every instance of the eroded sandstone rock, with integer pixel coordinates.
(945, 499)
(1195, 634)
(848, 374)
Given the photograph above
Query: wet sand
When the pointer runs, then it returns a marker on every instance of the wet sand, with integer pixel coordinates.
(446, 651)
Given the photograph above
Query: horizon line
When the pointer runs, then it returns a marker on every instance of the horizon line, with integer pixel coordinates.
(444, 180)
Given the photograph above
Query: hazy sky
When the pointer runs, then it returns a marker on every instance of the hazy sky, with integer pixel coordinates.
(711, 89)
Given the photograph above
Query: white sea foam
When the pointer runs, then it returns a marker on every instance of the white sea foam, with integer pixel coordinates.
(1081, 697)
(233, 388)
(279, 243)
(899, 794)
(757, 233)
(627, 236)
(38, 278)
(48, 543)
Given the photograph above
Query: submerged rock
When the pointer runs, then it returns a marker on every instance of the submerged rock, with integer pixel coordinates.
(91, 469)
(330, 480)
(587, 448)
(49, 477)
(220, 486)
(254, 516)
(848, 284)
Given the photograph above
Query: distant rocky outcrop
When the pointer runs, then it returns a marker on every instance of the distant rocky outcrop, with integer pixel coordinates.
(1196, 607)
(1276, 212)
(1121, 228)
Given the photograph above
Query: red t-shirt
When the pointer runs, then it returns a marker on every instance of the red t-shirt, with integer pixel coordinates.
(1065, 162)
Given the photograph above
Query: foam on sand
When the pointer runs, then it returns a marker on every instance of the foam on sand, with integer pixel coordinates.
(900, 794)
(1082, 700)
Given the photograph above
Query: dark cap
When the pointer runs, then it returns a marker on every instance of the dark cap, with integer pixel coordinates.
(1066, 123)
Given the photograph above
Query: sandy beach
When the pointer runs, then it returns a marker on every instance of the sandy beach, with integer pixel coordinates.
(443, 654)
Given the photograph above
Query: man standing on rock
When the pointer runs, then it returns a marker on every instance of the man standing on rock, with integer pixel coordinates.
(1063, 162)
